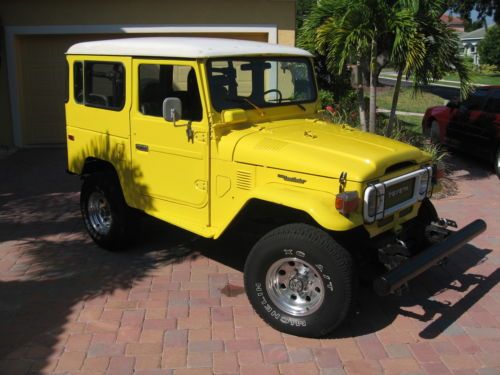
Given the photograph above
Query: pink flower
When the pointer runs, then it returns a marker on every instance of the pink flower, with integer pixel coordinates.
(330, 109)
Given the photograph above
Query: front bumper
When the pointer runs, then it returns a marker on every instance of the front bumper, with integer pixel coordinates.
(399, 276)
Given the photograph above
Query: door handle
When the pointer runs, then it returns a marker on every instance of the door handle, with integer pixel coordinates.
(141, 147)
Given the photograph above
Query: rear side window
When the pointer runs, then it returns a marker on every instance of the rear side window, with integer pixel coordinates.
(99, 84)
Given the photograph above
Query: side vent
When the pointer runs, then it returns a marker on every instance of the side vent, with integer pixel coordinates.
(244, 180)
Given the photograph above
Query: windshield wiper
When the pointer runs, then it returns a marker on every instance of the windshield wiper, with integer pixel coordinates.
(241, 100)
(291, 102)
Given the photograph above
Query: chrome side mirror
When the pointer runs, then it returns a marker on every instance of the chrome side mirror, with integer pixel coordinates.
(172, 109)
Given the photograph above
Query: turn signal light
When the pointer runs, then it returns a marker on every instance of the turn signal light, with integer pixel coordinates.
(347, 202)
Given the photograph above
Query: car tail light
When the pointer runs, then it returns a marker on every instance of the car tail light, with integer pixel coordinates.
(347, 202)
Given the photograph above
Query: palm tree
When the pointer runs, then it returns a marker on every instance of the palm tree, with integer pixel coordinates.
(372, 32)
(424, 48)
(351, 30)
(340, 30)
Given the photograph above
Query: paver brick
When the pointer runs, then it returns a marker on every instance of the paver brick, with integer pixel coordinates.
(174, 358)
(298, 368)
(70, 361)
(141, 349)
(225, 363)
(250, 357)
(327, 357)
(206, 346)
(121, 365)
(275, 353)
(399, 365)
(199, 359)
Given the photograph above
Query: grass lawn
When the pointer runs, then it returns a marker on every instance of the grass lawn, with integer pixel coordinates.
(411, 123)
(407, 101)
(484, 79)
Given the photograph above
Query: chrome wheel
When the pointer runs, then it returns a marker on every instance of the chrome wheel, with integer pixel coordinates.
(295, 287)
(99, 212)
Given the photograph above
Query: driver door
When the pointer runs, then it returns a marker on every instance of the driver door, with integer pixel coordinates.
(170, 159)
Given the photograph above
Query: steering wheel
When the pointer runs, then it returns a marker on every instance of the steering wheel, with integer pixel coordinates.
(280, 95)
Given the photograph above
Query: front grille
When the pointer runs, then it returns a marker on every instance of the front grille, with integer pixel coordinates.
(385, 198)
(398, 193)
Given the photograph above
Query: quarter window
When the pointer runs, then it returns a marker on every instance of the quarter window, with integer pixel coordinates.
(78, 81)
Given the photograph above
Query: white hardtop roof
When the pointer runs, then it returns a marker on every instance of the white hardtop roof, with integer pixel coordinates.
(183, 47)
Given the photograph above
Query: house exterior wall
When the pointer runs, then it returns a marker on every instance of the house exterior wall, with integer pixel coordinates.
(138, 15)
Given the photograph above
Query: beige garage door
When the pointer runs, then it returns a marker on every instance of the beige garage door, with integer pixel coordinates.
(42, 77)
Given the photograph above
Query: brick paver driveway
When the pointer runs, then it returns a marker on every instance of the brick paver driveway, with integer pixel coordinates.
(175, 304)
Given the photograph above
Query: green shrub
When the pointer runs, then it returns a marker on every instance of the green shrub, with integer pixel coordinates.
(488, 69)
(326, 98)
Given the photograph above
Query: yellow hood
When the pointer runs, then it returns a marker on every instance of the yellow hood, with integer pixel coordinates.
(323, 149)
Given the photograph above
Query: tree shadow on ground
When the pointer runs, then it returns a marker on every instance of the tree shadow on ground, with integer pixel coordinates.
(49, 268)
(468, 167)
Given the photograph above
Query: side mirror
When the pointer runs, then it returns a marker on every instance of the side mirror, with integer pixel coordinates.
(172, 109)
(452, 104)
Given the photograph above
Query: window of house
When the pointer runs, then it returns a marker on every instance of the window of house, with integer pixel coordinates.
(157, 82)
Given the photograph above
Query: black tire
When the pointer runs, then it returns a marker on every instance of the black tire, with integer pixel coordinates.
(111, 224)
(308, 256)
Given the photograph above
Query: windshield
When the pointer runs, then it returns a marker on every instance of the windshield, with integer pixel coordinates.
(261, 81)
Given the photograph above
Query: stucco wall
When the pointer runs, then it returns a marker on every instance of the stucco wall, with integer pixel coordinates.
(132, 12)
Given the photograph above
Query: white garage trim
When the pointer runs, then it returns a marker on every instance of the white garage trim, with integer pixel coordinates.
(11, 32)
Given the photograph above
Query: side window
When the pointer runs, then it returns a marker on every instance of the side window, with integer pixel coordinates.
(476, 101)
(157, 82)
(105, 85)
(493, 105)
(78, 82)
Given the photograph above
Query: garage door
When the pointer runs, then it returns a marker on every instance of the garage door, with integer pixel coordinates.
(42, 78)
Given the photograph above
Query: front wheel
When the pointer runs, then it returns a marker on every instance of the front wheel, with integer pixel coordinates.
(300, 281)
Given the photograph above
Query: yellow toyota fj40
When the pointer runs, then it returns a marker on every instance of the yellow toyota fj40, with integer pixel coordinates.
(200, 131)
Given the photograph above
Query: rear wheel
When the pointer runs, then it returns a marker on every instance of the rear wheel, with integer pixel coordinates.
(300, 281)
(106, 216)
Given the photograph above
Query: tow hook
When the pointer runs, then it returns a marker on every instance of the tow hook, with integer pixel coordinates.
(448, 223)
(437, 231)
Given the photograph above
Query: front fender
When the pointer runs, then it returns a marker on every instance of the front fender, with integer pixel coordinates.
(318, 204)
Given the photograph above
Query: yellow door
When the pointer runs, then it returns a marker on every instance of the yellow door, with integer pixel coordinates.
(171, 160)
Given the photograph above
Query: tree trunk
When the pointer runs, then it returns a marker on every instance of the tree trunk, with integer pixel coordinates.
(395, 98)
(358, 81)
(373, 86)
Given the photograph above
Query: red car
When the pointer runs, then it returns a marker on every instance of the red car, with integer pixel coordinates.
(472, 125)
